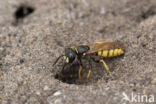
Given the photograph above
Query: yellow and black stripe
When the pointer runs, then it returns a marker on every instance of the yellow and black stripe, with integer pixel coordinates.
(110, 53)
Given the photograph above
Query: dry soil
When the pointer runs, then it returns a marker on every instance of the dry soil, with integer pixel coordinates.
(29, 46)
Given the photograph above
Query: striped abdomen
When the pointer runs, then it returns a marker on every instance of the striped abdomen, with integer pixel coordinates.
(110, 53)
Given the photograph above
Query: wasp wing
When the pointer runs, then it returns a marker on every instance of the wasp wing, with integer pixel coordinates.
(97, 46)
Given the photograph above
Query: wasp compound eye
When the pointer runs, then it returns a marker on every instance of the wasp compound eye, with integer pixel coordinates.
(69, 55)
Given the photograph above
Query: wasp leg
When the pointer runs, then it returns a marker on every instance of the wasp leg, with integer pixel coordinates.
(88, 75)
(80, 67)
(89, 72)
(104, 64)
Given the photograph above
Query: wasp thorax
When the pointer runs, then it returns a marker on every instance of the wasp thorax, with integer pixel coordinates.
(82, 49)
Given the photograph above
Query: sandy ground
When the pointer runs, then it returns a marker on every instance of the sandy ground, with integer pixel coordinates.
(29, 48)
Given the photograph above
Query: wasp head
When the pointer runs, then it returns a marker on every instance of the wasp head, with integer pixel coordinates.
(69, 55)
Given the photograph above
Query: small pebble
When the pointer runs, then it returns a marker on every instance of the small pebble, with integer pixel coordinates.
(1, 48)
(46, 88)
(154, 81)
(57, 93)
(9, 59)
(32, 91)
(81, 23)
(102, 11)
(38, 93)
(21, 60)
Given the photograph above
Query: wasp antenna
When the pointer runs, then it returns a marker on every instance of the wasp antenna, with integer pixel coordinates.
(57, 59)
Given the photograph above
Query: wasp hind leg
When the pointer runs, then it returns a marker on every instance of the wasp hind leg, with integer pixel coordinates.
(106, 67)
(104, 64)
